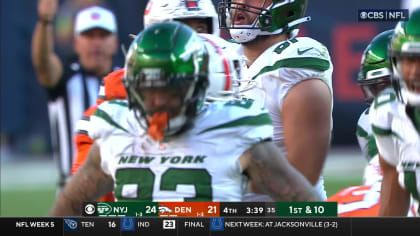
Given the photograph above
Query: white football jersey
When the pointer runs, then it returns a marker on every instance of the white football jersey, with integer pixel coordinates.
(278, 69)
(200, 164)
(372, 173)
(364, 136)
(397, 139)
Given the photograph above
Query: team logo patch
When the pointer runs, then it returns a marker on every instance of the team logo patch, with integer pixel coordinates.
(70, 224)
(217, 224)
(127, 224)
(104, 208)
(192, 5)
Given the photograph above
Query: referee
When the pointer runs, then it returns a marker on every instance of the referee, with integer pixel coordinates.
(72, 87)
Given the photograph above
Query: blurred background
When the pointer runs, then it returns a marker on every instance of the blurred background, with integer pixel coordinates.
(28, 171)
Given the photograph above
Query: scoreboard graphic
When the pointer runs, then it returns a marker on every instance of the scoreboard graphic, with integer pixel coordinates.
(208, 218)
(211, 209)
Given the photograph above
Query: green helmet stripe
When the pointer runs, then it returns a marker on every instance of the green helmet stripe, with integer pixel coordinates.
(375, 58)
(167, 55)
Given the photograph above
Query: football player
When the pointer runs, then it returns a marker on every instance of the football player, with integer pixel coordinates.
(224, 77)
(374, 77)
(224, 63)
(291, 77)
(163, 145)
(199, 15)
(396, 124)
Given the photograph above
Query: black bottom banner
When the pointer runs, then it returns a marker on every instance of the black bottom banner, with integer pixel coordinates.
(293, 226)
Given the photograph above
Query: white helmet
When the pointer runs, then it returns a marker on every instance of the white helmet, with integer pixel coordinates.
(225, 69)
(158, 11)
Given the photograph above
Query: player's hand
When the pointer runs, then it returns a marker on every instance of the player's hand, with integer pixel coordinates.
(47, 9)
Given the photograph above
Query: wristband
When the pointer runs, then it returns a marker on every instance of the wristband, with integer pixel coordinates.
(45, 22)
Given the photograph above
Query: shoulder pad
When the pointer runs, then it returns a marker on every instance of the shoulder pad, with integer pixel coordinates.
(233, 116)
(303, 53)
(110, 116)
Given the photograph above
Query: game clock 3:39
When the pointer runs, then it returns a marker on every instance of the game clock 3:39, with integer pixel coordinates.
(254, 210)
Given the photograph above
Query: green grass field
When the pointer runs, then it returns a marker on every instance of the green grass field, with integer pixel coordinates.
(29, 188)
(333, 184)
(27, 203)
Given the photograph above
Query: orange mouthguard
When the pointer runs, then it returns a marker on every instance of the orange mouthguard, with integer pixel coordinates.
(157, 124)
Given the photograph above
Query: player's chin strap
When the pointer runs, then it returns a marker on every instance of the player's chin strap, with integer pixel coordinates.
(249, 32)
(289, 25)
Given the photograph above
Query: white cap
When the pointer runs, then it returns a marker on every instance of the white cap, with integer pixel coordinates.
(95, 17)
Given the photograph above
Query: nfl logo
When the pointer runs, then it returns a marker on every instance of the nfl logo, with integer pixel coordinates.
(191, 4)
(95, 16)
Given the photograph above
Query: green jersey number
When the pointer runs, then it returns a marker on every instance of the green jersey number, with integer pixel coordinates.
(143, 179)
(279, 49)
(244, 103)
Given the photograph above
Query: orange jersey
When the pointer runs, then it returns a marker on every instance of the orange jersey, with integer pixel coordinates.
(360, 201)
(112, 88)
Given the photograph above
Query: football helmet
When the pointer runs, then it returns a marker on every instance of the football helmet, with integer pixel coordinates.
(375, 69)
(167, 55)
(282, 16)
(158, 11)
(405, 43)
(225, 69)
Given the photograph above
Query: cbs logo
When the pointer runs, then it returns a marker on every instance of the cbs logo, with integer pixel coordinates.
(372, 15)
(90, 209)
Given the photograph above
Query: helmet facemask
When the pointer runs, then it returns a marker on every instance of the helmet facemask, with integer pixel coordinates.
(276, 18)
(404, 50)
(166, 57)
(371, 88)
(375, 68)
(399, 82)
(188, 95)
